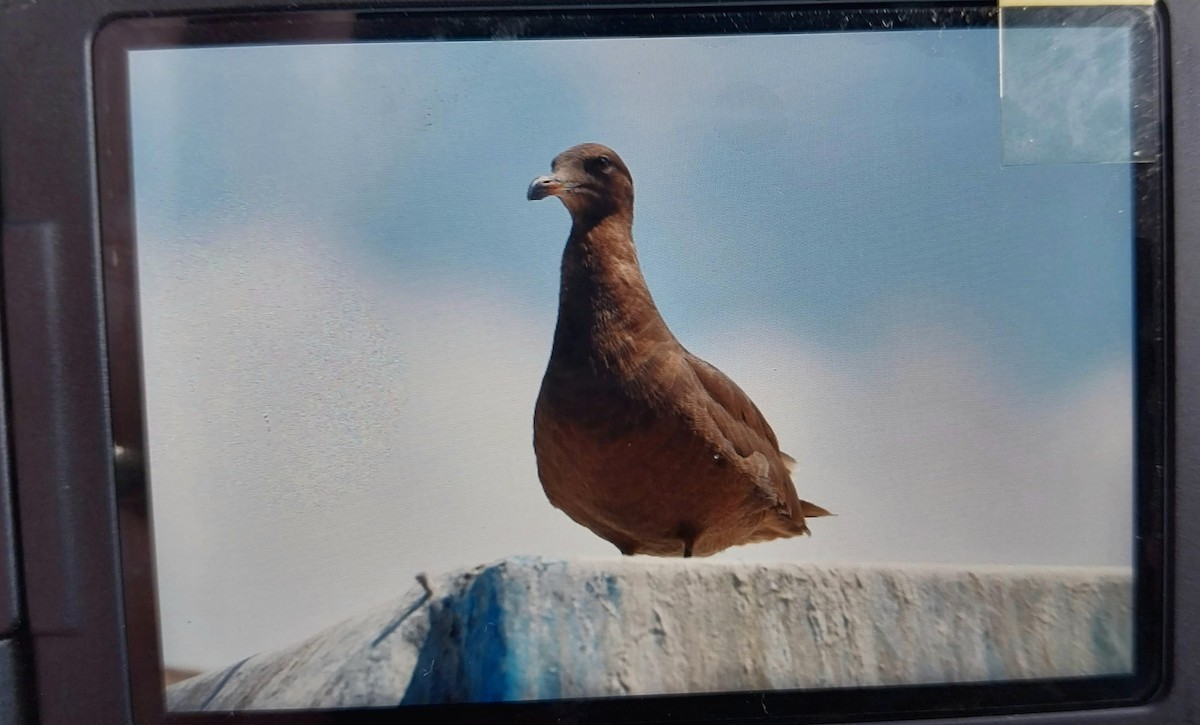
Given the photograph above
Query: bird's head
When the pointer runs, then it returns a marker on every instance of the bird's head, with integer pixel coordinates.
(590, 179)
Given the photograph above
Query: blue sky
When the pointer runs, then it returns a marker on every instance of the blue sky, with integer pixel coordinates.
(347, 305)
(813, 183)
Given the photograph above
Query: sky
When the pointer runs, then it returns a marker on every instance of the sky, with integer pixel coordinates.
(347, 305)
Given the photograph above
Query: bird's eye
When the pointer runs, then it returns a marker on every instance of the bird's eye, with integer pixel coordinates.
(603, 163)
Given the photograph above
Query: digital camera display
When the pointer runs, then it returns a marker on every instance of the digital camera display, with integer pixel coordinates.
(567, 367)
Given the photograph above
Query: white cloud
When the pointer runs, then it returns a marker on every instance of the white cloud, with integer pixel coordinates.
(320, 431)
(927, 456)
(319, 435)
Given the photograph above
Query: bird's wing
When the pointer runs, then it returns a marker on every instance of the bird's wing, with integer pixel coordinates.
(740, 425)
(736, 414)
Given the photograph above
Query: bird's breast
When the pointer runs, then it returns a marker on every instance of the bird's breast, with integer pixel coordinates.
(586, 396)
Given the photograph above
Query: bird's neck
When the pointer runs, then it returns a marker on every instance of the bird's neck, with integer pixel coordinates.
(601, 251)
(605, 308)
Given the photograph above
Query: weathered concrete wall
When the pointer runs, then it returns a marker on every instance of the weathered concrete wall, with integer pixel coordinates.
(533, 629)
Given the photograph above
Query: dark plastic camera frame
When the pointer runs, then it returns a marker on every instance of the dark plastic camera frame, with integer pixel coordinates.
(69, 479)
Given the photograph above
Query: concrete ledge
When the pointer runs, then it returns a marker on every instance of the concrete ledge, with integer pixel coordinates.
(535, 629)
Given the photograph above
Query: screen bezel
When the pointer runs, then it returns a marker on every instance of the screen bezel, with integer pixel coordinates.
(1153, 286)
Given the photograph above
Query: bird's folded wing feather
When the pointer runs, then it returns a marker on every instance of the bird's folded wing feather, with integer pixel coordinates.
(739, 424)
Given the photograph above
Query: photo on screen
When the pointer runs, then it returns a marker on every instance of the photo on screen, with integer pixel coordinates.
(744, 280)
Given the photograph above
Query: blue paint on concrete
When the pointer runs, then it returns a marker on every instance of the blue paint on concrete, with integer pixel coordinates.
(614, 592)
(996, 669)
(485, 647)
(1111, 657)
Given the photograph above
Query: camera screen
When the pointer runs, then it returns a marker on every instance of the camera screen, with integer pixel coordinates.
(571, 367)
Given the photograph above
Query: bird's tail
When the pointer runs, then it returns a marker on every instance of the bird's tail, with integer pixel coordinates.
(811, 509)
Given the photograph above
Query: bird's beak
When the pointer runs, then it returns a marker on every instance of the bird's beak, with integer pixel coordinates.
(544, 186)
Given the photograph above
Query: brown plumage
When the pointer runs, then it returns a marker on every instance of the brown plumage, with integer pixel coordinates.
(637, 439)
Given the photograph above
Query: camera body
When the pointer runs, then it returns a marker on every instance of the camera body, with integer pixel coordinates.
(73, 536)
